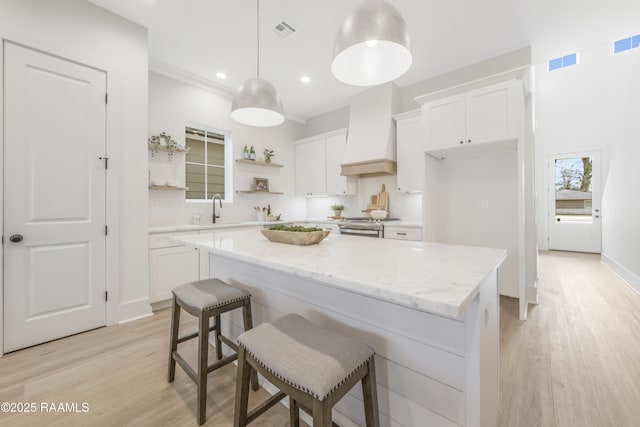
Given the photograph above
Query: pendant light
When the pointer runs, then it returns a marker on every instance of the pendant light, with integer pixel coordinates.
(257, 102)
(372, 46)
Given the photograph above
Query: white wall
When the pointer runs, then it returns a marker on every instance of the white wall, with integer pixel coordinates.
(407, 207)
(329, 121)
(466, 184)
(172, 105)
(78, 30)
(595, 106)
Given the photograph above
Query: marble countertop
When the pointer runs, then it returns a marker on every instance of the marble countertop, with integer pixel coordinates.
(437, 278)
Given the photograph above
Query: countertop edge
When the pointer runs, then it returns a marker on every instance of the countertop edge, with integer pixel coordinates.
(394, 297)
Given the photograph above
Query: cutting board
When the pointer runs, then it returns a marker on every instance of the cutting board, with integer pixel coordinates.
(379, 201)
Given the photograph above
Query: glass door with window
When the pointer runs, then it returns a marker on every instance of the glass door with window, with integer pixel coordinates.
(574, 202)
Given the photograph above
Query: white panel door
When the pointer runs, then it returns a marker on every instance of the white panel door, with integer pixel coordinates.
(54, 243)
(574, 202)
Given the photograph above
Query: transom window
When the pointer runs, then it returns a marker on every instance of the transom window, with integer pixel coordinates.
(206, 166)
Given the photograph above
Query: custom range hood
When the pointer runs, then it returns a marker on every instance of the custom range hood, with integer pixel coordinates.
(371, 142)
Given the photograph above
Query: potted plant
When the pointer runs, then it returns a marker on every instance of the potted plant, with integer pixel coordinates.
(337, 209)
(268, 154)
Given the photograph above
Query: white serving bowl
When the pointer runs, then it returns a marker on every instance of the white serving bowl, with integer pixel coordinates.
(378, 214)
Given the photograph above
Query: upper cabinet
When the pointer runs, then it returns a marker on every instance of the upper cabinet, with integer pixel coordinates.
(480, 116)
(318, 166)
(311, 168)
(410, 153)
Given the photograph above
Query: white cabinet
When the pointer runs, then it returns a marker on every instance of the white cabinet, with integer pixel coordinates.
(311, 168)
(403, 233)
(333, 227)
(480, 116)
(337, 185)
(319, 166)
(444, 122)
(410, 153)
(170, 265)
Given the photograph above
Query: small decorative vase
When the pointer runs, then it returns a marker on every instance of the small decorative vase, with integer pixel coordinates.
(338, 214)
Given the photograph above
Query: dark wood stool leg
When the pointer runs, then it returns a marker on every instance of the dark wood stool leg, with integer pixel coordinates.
(218, 341)
(294, 413)
(248, 324)
(370, 395)
(173, 338)
(243, 379)
(203, 356)
(321, 413)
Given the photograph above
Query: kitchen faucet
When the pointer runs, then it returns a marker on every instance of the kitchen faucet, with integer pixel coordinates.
(216, 196)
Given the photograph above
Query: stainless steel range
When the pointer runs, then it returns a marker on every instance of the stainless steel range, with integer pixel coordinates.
(363, 226)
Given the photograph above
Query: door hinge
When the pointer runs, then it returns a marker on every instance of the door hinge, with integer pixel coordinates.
(106, 295)
(106, 230)
(106, 98)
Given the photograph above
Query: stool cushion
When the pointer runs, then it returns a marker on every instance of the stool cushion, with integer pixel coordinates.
(207, 294)
(305, 355)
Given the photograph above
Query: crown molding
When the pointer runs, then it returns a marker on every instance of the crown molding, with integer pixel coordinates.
(175, 73)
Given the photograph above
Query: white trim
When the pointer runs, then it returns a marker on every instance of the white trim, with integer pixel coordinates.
(630, 278)
(183, 76)
(135, 309)
(1, 194)
(514, 74)
(412, 114)
(323, 136)
(175, 73)
(112, 193)
(133, 319)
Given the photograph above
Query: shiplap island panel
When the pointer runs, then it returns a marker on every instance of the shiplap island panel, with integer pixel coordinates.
(429, 310)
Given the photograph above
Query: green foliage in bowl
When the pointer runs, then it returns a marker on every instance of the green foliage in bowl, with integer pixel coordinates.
(298, 228)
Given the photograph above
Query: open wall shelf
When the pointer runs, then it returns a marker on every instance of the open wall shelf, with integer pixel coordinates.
(258, 192)
(257, 163)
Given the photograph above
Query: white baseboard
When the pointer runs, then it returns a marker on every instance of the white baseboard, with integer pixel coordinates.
(625, 274)
(133, 310)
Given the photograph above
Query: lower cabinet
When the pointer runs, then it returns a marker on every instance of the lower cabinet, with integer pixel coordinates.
(403, 233)
(170, 267)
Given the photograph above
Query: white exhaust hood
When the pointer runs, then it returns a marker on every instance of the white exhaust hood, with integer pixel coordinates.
(371, 142)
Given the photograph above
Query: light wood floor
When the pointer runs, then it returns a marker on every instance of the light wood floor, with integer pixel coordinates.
(576, 362)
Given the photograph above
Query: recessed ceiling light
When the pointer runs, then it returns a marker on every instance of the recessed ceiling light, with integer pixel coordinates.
(371, 43)
(221, 75)
(305, 79)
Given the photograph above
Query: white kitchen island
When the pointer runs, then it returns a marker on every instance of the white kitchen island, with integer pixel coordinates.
(431, 312)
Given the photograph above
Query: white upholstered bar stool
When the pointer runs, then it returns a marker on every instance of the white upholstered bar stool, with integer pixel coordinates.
(313, 366)
(205, 299)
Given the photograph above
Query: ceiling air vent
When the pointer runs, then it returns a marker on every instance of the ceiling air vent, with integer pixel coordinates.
(284, 29)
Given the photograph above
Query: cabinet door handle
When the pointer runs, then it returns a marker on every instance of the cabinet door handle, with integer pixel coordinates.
(401, 234)
(469, 141)
(461, 142)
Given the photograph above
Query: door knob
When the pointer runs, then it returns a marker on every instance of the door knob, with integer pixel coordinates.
(558, 219)
(15, 238)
